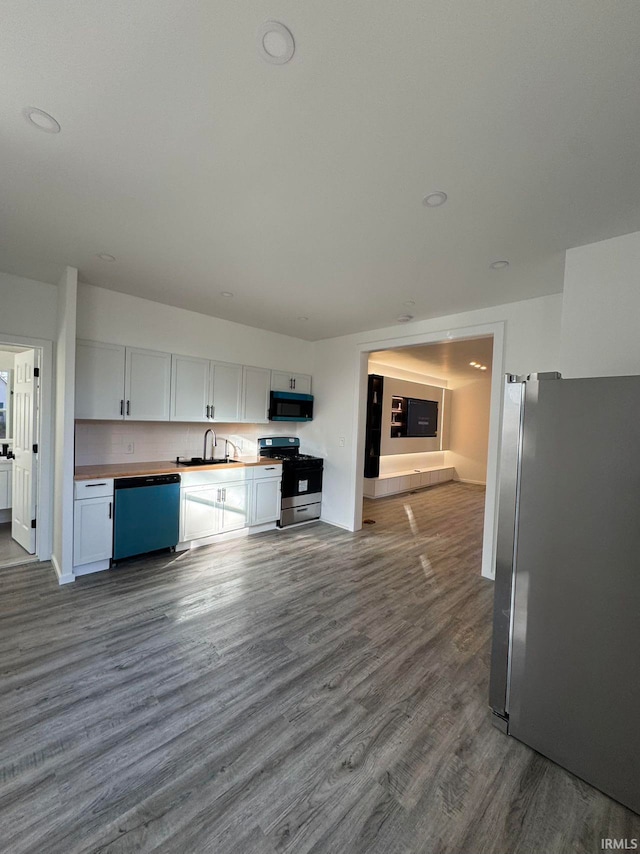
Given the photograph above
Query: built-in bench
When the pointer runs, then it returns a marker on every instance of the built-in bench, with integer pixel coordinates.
(403, 481)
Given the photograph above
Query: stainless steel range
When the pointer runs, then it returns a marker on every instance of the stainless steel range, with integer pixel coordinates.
(301, 479)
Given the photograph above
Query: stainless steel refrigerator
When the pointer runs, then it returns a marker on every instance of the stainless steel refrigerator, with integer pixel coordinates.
(565, 669)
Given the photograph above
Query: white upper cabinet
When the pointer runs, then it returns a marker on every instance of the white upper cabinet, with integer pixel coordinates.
(285, 381)
(128, 383)
(256, 384)
(99, 380)
(114, 382)
(147, 385)
(190, 389)
(203, 391)
(226, 394)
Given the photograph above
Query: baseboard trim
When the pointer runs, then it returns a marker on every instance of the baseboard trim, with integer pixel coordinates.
(335, 524)
(62, 577)
(89, 568)
(474, 482)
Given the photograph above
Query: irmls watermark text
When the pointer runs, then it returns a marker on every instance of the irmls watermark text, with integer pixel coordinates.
(619, 844)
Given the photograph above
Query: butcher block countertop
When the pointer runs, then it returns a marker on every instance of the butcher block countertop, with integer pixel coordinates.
(163, 467)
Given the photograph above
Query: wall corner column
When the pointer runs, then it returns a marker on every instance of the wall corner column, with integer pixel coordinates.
(65, 370)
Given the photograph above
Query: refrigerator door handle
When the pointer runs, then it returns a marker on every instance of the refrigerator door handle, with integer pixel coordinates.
(506, 548)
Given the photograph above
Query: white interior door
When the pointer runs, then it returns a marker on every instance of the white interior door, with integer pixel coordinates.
(25, 412)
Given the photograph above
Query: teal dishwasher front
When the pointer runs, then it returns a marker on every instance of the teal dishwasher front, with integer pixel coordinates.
(147, 514)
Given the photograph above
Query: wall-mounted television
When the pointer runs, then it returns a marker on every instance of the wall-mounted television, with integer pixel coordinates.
(414, 418)
(422, 417)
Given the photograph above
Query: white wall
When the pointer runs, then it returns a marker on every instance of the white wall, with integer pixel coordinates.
(7, 360)
(469, 433)
(601, 309)
(116, 318)
(532, 343)
(62, 556)
(27, 308)
(106, 442)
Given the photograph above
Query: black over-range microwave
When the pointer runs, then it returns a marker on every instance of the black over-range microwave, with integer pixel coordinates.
(290, 406)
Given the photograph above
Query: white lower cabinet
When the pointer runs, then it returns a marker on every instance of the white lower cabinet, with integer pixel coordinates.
(234, 508)
(199, 512)
(93, 523)
(6, 473)
(265, 506)
(375, 487)
(213, 509)
(218, 502)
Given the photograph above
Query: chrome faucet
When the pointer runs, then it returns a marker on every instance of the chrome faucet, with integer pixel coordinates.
(215, 442)
(228, 442)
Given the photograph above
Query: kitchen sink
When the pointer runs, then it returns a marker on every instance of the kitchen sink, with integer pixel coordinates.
(199, 461)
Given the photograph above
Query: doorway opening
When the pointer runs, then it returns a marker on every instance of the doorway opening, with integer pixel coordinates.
(21, 453)
(439, 422)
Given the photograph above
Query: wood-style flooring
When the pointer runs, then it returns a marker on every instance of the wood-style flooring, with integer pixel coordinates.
(10, 551)
(306, 690)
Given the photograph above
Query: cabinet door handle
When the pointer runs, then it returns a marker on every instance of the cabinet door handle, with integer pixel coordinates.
(110, 509)
(122, 407)
(213, 409)
(218, 499)
(128, 407)
(208, 408)
(91, 485)
(294, 382)
(224, 494)
(270, 468)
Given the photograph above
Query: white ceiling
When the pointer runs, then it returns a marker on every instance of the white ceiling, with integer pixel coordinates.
(299, 187)
(446, 360)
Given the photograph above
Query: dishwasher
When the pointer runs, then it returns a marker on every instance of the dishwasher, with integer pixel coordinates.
(147, 514)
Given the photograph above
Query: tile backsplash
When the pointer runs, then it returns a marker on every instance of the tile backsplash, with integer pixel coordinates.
(105, 442)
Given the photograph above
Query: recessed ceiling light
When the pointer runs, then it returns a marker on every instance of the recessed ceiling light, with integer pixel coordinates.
(483, 367)
(226, 294)
(404, 318)
(41, 120)
(499, 265)
(275, 43)
(302, 317)
(434, 200)
(473, 364)
(104, 256)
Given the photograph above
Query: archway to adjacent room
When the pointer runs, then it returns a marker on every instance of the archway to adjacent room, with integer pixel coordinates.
(422, 462)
